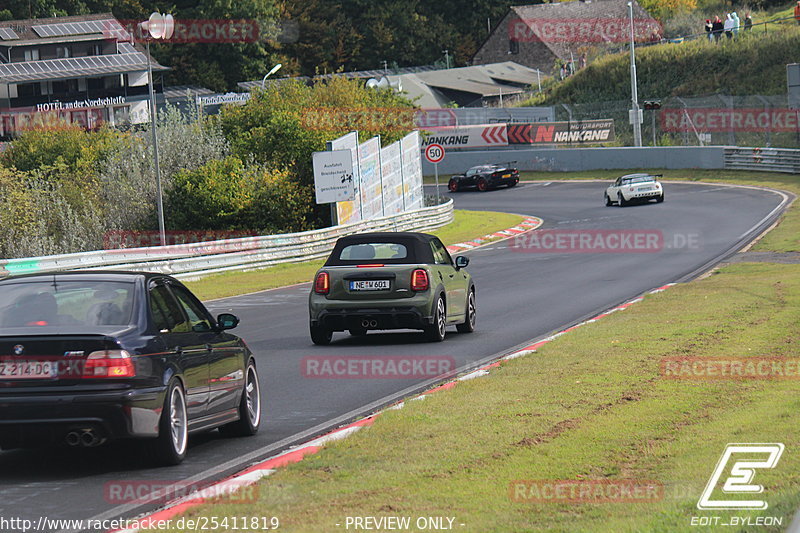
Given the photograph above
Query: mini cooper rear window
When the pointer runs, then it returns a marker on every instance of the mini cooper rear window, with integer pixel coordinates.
(64, 303)
(374, 251)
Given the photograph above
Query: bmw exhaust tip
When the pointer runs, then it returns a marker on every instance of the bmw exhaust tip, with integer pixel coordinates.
(73, 438)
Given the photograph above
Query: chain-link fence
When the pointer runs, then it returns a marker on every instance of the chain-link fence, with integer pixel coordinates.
(754, 120)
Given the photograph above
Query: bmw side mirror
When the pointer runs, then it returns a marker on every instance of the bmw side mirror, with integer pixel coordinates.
(461, 261)
(227, 321)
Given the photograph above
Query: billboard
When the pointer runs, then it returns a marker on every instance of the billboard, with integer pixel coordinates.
(392, 177)
(479, 136)
(347, 212)
(412, 171)
(567, 132)
(369, 161)
(386, 181)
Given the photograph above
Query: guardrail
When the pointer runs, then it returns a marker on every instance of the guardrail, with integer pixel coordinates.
(198, 259)
(764, 159)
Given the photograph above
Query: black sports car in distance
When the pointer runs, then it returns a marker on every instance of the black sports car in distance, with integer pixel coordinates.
(485, 177)
(87, 357)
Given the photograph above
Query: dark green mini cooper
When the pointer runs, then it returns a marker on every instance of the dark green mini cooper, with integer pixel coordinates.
(378, 281)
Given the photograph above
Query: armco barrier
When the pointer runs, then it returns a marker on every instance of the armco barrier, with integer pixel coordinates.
(765, 159)
(581, 159)
(198, 259)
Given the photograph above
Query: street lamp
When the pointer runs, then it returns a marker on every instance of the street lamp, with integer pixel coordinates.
(158, 26)
(636, 113)
(270, 73)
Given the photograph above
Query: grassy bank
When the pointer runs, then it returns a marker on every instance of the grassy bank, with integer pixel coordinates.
(467, 225)
(751, 64)
(593, 405)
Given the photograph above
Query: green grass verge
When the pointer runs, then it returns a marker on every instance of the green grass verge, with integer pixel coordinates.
(591, 405)
(467, 225)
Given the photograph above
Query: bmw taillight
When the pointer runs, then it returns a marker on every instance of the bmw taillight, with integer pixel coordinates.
(109, 364)
(322, 284)
(419, 280)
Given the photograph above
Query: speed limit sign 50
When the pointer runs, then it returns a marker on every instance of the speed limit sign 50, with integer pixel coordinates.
(434, 153)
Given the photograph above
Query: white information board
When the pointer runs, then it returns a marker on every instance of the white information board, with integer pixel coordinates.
(333, 176)
(347, 212)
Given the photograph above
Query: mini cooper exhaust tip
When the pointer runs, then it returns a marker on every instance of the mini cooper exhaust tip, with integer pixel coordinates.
(369, 323)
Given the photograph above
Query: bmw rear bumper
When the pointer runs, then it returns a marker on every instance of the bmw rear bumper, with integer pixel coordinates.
(41, 418)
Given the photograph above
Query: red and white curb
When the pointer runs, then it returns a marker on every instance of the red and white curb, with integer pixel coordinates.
(261, 470)
(530, 223)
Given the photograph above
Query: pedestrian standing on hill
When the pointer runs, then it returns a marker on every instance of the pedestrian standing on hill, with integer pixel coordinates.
(736, 24)
(729, 25)
(797, 12)
(563, 71)
(583, 61)
(717, 28)
(748, 22)
(709, 29)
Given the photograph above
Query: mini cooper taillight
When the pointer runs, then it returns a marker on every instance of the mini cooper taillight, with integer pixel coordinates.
(109, 364)
(322, 284)
(419, 280)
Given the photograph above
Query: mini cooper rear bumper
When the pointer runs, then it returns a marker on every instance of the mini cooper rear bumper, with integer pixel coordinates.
(337, 319)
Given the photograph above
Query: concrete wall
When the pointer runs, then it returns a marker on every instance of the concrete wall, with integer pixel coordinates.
(578, 159)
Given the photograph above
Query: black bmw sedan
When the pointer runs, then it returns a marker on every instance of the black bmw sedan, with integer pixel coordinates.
(87, 357)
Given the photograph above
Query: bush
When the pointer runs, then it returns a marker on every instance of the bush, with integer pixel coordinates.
(227, 194)
(38, 219)
(278, 126)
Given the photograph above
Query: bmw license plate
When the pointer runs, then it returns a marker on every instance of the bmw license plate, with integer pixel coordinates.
(370, 285)
(27, 369)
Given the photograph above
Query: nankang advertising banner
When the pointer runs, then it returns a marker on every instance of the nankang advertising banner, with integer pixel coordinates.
(569, 132)
(480, 136)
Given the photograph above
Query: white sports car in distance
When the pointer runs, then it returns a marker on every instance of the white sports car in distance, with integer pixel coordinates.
(633, 187)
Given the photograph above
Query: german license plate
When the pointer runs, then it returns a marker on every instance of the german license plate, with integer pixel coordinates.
(27, 369)
(370, 285)
(645, 188)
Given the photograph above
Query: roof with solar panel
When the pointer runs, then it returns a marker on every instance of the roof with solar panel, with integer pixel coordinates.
(64, 30)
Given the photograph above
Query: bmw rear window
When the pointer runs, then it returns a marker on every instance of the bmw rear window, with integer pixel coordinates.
(66, 303)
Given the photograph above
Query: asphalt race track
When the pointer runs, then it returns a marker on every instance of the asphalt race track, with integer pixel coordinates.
(521, 295)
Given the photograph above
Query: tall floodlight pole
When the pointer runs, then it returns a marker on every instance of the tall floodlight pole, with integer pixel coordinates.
(635, 113)
(158, 26)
